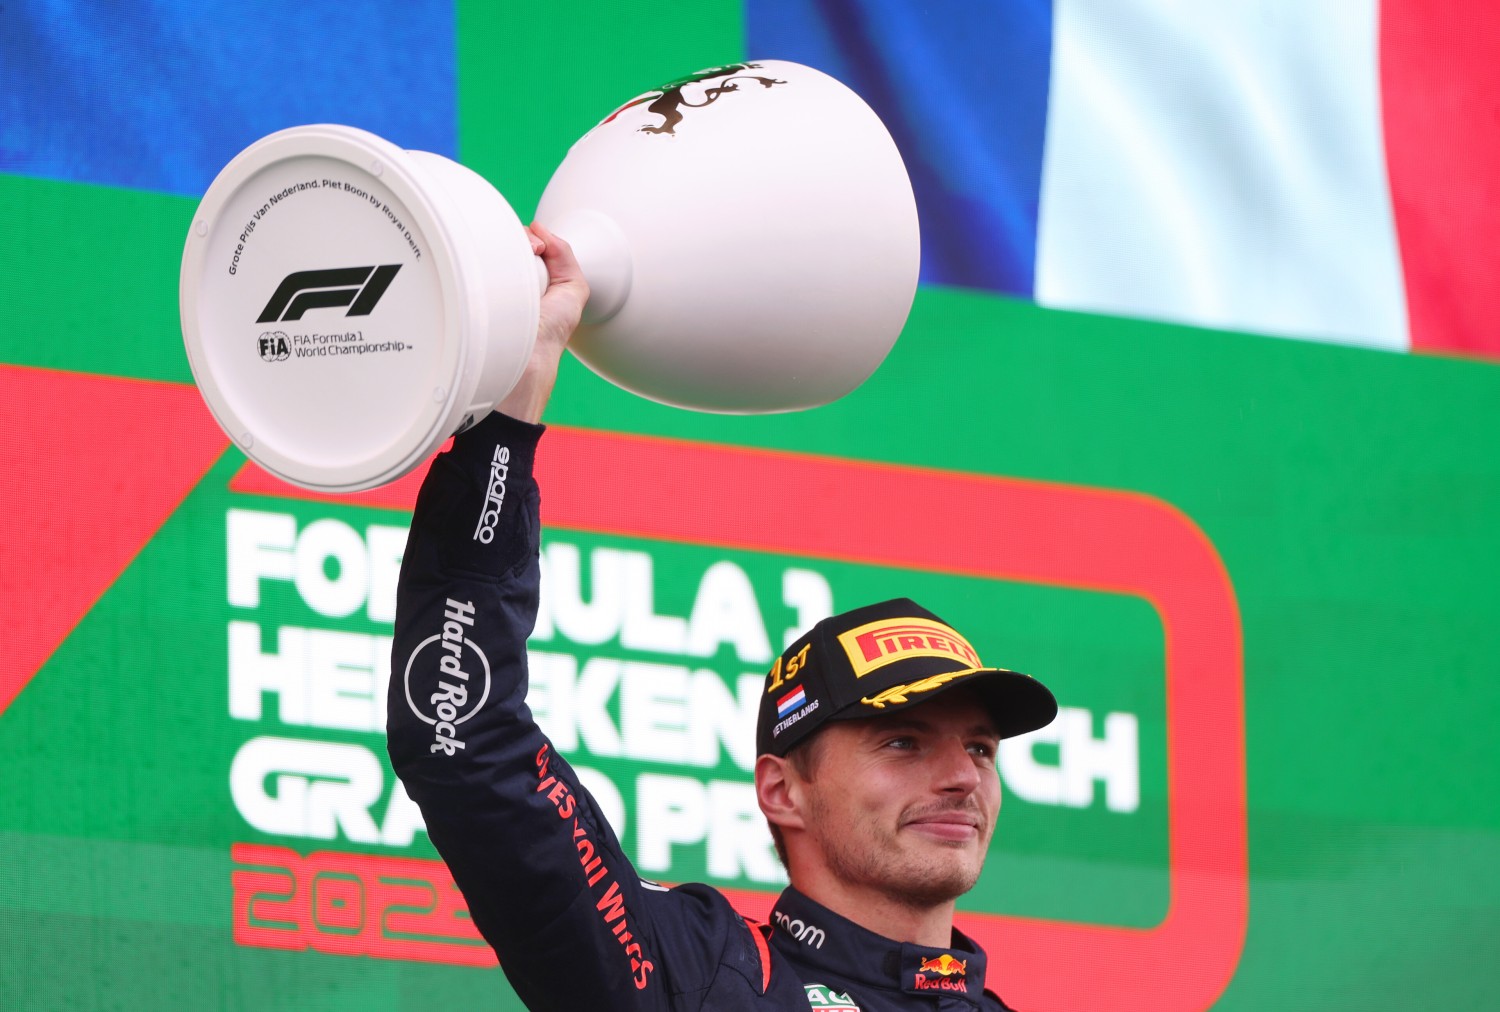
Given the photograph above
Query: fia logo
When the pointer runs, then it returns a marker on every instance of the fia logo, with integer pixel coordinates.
(274, 346)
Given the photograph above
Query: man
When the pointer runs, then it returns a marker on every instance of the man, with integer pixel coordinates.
(876, 748)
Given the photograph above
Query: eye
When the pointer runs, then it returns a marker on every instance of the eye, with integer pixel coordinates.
(904, 742)
(985, 749)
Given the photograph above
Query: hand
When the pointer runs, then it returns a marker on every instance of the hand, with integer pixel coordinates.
(562, 306)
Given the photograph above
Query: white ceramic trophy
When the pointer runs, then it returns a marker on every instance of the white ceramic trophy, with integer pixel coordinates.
(749, 236)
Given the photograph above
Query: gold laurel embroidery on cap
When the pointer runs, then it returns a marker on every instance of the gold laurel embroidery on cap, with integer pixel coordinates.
(898, 694)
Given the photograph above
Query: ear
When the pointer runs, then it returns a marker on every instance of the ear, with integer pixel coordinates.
(778, 789)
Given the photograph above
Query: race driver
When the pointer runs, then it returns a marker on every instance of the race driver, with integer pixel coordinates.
(876, 746)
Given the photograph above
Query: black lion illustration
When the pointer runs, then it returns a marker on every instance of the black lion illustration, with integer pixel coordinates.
(668, 100)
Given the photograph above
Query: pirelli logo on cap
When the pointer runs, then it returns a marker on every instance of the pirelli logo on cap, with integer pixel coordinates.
(894, 639)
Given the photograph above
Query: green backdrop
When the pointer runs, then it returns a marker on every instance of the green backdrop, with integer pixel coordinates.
(1350, 497)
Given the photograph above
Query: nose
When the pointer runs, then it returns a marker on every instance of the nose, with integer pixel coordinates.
(955, 770)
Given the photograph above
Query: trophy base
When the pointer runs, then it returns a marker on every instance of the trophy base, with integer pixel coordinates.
(348, 305)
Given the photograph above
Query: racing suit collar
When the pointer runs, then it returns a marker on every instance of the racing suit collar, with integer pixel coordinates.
(825, 945)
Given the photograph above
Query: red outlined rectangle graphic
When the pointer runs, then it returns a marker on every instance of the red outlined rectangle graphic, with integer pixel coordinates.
(996, 528)
(352, 905)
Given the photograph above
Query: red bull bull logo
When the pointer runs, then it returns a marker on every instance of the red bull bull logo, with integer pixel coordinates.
(879, 643)
(942, 973)
(945, 965)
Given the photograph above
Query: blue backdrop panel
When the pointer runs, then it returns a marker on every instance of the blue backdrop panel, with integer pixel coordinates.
(161, 102)
(966, 99)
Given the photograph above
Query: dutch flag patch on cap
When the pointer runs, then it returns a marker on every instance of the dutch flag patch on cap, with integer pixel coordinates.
(786, 704)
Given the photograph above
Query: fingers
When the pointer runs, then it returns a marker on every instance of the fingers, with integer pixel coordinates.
(567, 289)
(562, 265)
(566, 294)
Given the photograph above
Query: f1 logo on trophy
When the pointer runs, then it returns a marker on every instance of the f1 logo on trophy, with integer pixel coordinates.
(749, 236)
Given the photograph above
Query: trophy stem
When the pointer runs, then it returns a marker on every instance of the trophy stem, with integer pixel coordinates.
(604, 254)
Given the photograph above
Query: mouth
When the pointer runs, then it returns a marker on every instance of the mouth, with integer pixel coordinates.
(947, 827)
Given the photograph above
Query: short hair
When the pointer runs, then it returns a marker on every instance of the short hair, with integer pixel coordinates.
(804, 758)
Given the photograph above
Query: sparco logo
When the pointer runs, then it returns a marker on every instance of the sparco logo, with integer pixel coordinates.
(494, 496)
(447, 697)
(275, 346)
(359, 288)
(807, 934)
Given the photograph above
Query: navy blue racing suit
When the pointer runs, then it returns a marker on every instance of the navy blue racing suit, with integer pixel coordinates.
(545, 879)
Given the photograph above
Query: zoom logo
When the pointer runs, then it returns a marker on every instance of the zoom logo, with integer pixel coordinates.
(359, 288)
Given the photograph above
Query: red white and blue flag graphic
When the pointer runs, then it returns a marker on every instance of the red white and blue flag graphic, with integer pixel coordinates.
(786, 704)
(1322, 171)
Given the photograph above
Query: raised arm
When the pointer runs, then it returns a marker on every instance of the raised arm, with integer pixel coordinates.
(542, 872)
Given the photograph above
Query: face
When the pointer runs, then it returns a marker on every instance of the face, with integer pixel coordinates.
(905, 804)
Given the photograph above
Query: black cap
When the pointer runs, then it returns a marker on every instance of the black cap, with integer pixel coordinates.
(879, 659)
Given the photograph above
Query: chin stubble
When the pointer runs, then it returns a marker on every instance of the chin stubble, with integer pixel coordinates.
(905, 879)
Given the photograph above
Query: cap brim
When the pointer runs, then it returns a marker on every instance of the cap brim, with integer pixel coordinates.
(1017, 702)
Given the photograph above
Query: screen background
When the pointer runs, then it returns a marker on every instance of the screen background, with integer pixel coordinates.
(1338, 500)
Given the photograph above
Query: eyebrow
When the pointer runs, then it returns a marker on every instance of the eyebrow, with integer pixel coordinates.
(985, 729)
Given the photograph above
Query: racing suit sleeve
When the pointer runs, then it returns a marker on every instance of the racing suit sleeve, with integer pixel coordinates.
(543, 874)
(545, 879)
